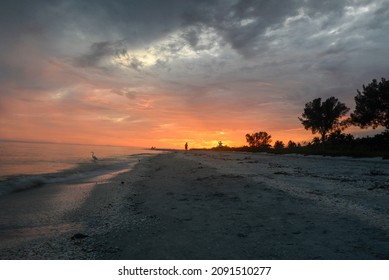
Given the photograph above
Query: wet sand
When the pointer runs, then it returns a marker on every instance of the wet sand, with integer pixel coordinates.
(40, 222)
(218, 205)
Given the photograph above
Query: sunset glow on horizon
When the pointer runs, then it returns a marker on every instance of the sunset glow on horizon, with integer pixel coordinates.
(147, 73)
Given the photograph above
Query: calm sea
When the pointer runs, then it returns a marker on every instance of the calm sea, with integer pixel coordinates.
(24, 165)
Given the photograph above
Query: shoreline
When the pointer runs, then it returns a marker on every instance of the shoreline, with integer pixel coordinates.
(221, 205)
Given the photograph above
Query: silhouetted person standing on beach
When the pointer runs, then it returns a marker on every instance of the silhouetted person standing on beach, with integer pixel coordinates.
(186, 146)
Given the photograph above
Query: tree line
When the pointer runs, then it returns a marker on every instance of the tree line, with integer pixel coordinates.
(329, 119)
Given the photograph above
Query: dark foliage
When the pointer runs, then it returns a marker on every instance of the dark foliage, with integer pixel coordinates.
(278, 145)
(377, 143)
(372, 105)
(291, 145)
(337, 144)
(259, 140)
(337, 137)
(324, 117)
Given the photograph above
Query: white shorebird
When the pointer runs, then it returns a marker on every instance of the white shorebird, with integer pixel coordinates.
(93, 156)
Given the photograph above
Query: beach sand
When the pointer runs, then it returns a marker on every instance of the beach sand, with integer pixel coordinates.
(220, 205)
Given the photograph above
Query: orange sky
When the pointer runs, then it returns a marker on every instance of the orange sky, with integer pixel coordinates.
(102, 117)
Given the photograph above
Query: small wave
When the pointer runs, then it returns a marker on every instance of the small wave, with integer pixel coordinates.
(83, 172)
(20, 183)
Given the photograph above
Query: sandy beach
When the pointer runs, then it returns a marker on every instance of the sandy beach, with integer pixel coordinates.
(211, 205)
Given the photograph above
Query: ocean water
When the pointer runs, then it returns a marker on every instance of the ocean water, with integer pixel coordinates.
(26, 165)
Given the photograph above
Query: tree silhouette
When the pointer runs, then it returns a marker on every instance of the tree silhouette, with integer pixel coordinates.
(315, 141)
(324, 117)
(291, 144)
(259, 140)
(372, 105)
(337, 137)
(279, 145)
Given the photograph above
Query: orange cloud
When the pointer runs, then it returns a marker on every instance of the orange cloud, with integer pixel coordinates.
(88, 114)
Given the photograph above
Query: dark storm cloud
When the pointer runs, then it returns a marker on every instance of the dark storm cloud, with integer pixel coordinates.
(100, 50)
(192, 37)
(138, 22)
(243, 24)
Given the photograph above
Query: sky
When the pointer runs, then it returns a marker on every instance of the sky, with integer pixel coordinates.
(162, 73)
